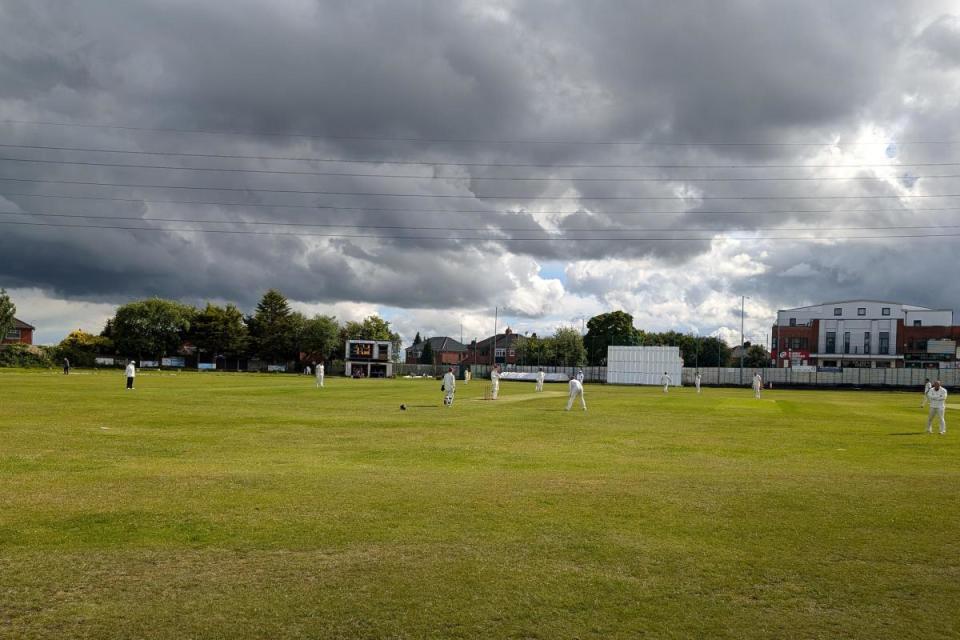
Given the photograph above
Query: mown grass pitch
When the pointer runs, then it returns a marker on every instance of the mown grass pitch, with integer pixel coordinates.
(249, 506)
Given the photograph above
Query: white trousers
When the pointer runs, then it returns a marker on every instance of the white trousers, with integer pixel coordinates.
(666, 388)
(539, 385)
(495, 390)
(756, 392)
(938, 412)
(573, 396)
(698, 386)
(448, 398)
(319, 381)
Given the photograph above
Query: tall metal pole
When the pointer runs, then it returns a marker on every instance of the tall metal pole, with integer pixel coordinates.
(742, 298)
(493, 353)
(696, 357)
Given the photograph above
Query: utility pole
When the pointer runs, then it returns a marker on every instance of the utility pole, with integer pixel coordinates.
(742, 298)
(493, 352)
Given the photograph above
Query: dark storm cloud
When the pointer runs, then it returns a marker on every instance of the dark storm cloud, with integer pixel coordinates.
(434, 78)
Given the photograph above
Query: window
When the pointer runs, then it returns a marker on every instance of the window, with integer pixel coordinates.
(13, 334)
(838, 311)
(885, 311)
(861, 311)
(846, 342)
(831, 341)
(793, 322)
(866, 342)
(884, 343)
(795, 343)
(775, 343)
(500, 352)
(918, 323)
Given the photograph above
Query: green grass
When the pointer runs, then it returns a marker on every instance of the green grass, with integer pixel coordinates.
(248, 506)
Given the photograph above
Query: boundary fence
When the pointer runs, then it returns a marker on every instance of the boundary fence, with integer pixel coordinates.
(847, 377)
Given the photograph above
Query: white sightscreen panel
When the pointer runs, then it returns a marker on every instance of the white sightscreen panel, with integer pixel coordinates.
(643, 365)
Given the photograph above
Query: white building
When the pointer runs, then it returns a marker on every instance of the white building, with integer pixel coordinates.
(853, 333)
(369, 359)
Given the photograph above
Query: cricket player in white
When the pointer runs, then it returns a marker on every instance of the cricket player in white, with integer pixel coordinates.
(576, 389)
(466, 376)
(757, 386)
(937, 399)
(449, 387)
(495, 382)
(926, 390)
(541, 376)
(131, 374)
(320, 375)
(580, 375)
(696, 381)
(666, 381)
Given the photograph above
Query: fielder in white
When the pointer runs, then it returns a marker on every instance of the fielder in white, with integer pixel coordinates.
(580, 375)
(926, 390)
(495, 382)
(576, 389)
(131, 373)
(696, 381)
(541, 376)
(937, 399)
(666, 381)
(319, 375)
(449, 387)
(757, 386)
(466, 376)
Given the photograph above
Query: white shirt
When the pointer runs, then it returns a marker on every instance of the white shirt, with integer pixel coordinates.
(449, 382)
(540, 376)
(757, 381)
(927, 387)
(575, 386)
(131, 371)
(665, 379)
(580, 376)
(495, 376)
(697, 378)
(937, 397)
(319, 370)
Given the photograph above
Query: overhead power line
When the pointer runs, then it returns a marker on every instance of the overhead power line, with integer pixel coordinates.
(418, 210)
(465, 197)
(492, 141)
(435, 163)
(619, 238)
(348, 225)
(287, 172)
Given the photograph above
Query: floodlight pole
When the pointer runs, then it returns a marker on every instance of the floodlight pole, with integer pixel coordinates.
(493, 352)
(742, 298)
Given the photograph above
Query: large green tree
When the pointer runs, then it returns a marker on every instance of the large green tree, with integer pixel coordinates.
(273, 329)
(320, 336)
(756, 356)
(153, 327)
(7, 310)
(606, 329)
(219, 331)
(568, 347)
(82, 348)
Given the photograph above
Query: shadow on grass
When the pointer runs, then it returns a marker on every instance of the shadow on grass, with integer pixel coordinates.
(908, 433)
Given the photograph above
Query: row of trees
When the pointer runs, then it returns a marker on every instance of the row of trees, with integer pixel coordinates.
(273, 333)
(616, 328)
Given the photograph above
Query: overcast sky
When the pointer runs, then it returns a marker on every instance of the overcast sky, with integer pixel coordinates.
(728, 123)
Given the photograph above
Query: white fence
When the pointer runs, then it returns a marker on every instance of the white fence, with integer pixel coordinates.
(906, 378)
(848, 377)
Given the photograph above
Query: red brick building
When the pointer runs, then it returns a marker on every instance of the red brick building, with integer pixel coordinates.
(484, 351)
(928, 346)
(20, 333)
(445, 351)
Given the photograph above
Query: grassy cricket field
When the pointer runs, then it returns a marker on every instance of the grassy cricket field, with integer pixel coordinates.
(257, 506)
